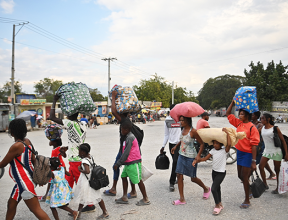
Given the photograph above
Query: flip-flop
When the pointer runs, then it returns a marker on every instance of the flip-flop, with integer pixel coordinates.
(108, 193)
(142, 203)
(251, 196)
(178, 202)
(131, 197)
(120, 201)
(245, 206)
(206, 195)
(274, 192)
(102, 217)
(217, 211)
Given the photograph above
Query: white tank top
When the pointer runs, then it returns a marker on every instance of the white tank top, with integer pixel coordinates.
(267, 135)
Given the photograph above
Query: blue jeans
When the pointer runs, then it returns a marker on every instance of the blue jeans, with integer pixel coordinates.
(116, 173)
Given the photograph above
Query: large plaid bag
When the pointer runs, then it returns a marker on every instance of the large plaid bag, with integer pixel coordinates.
(75, 97)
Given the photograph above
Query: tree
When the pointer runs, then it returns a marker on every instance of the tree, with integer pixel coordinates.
(5, 91)
(96, 95)
(46, 88)
(157, 89)
(271, 83)
(218, 92)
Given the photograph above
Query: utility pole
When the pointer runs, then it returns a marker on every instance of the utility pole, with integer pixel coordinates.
(172, 92)
(12, 68)
(109, 78)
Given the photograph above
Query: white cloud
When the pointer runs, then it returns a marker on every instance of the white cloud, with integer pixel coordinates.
(7, 6)
(179, 37)
(185, 41)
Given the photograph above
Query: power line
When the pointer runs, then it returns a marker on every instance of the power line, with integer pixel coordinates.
(53, 51)
(73, 46)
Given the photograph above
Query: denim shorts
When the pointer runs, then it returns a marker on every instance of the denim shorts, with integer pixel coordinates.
(244, 159)
(185, 167)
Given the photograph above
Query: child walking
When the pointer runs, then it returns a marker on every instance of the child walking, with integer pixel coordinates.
(84, 194)
(53, 133)
(131, 158)
(218, 169)
(60, 193)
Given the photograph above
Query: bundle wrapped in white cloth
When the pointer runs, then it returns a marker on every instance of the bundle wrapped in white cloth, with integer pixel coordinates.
(208, 135)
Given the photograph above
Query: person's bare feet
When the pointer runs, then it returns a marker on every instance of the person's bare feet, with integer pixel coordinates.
(75, 215)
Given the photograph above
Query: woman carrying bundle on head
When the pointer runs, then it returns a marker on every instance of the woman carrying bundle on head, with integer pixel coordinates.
(187, 154)
(246, 149)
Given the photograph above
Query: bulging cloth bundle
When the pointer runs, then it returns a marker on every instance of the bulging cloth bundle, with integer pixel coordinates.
(126, 99)
(208, 135)
(75, 97)
(246, 98)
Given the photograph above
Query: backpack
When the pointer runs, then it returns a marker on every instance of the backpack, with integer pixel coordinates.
(98, 178)
(42, 172)
(138, 133)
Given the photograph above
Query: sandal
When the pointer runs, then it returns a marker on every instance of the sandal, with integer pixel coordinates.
(217, 211)
(131, 197)
(141, 203)
(108, 193)
(206, 195)
(103, 217)
(245, 206)
(178, 202)
(275, 191)
(120, 201)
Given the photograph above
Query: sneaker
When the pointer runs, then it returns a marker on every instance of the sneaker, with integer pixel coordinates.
(88, 209)
(171, 188)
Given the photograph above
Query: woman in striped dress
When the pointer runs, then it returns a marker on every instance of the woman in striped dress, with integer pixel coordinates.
(24, 186)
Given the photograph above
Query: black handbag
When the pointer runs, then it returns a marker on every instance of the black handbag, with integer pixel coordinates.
(257, 186)
(277, 141)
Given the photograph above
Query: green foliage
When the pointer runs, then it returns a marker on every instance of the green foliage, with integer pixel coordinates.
(47, 88)
(218, 92)
(96, 95)
(5, 91)
(156, 88)
(271, 83)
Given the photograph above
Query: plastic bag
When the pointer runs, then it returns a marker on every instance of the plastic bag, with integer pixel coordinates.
(146, 173)
(126, 99)
(75, 97)
(246, 98)
(210, 134)
(283, 178)
(162, 162)
(186, 109)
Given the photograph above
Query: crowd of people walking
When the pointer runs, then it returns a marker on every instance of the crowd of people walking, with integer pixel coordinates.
(257, 148)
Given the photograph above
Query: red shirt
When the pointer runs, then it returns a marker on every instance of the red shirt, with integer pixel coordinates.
(252, 138)
(56, 153)
(202, 123)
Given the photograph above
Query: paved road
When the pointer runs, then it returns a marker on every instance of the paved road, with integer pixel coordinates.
(105, 143)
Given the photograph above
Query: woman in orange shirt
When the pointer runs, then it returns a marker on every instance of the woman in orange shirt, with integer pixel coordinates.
(246, 148)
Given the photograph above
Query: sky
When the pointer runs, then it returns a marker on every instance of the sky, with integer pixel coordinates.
(185, 41)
